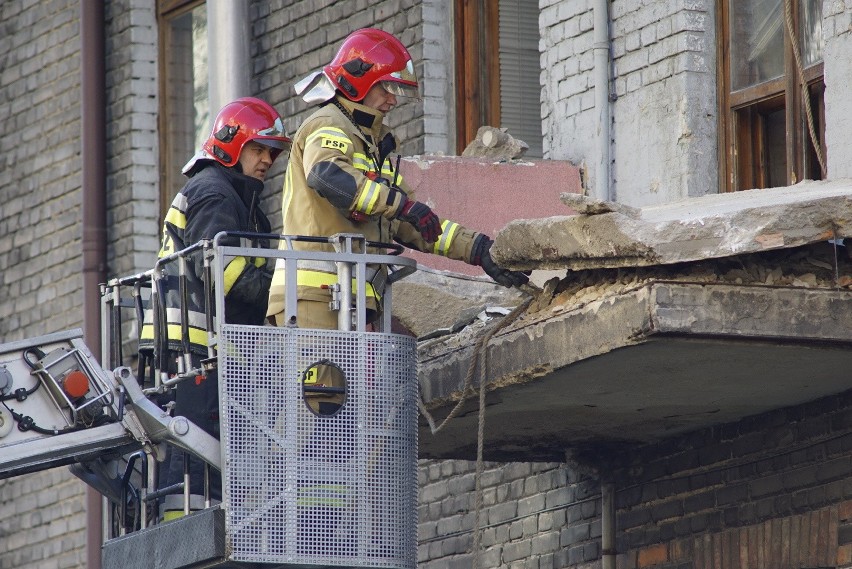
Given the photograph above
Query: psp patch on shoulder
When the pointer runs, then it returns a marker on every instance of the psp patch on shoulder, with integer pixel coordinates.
(336, 143)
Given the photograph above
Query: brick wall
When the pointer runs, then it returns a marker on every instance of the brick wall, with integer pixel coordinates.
(42, 522)
(436, 77)
(773, 490)
(39, 100)
(132, 175)
(42, 515)
(40, 242)
(526, 514)
(664, 80)
(755, 487)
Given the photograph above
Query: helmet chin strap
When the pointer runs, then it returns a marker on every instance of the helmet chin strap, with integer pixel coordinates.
(373, 149)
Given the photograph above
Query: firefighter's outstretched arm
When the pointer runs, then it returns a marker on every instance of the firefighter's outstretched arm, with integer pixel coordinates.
(332, 168)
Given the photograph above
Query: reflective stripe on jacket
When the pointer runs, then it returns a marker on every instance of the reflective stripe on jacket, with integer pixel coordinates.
(214, 199)
(330, 176)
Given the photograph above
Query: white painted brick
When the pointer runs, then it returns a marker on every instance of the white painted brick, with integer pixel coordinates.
(664, 28)
(549, 15)
(632, 41)
(634, 82)
(663, 49)
(648, 35)
(631, 61)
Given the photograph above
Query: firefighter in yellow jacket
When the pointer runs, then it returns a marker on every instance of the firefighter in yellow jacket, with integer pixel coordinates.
(342, 177)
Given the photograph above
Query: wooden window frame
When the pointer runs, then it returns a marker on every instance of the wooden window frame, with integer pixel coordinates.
(477, 68)
(170, 164)
(741, 146)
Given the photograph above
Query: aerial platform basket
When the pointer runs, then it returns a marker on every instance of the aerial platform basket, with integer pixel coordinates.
(305, 488)
(318, 427)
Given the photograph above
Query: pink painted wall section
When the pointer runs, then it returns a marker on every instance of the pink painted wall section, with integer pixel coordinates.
(484, 195)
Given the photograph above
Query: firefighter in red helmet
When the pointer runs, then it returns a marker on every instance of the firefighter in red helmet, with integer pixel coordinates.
(222, 194)
(371, 56)
(342, 178)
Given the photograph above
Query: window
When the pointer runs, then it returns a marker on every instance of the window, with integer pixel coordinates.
(498, 70)
(184, 121)
(772, 128)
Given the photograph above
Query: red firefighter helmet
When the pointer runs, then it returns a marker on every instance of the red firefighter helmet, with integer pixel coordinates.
(237, 123)
(369, 56)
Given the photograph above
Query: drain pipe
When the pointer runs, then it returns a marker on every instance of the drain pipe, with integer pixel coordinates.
(228, 33)
(93, 150)
(602, 99)
(608, 525)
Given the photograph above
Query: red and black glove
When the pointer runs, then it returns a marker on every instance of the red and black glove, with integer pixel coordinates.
(482, 257)
(422, 218)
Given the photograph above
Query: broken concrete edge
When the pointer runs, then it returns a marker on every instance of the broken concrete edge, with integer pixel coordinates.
(423, 161)
(431, 300)
(707, 227)
(584, 205)
(446, 364)
(531, 349)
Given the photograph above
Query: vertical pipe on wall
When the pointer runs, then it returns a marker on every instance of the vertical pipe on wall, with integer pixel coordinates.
(608, 525)
(602, 99)
(228, 56)
(93, 207)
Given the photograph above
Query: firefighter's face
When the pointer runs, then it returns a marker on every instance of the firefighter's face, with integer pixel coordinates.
(256, 159)
(378, 98)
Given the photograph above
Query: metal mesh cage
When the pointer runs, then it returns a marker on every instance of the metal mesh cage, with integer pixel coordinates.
(306, 480)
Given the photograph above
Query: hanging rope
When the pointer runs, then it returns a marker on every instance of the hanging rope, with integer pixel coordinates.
(794, 42)
(478, 351)
(479, 356)
(480, 438)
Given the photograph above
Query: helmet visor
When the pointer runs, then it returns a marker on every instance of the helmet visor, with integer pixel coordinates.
(402, 83)
(272, 143)
(401, 89)
(274, 135)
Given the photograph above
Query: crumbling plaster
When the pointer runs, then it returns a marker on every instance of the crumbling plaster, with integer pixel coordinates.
(667, 319)
(712, 226)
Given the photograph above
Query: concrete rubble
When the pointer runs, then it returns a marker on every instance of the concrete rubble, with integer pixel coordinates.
(432, 301)
(625, 345)
(713, 226)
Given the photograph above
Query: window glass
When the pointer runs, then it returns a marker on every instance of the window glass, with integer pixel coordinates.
(520, 109)
(810, 14)
(186, 94)
(498, 70)
(757, 41)
(776, 150)
(766, 111)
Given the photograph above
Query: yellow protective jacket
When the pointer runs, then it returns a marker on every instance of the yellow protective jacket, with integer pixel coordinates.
(328, 178)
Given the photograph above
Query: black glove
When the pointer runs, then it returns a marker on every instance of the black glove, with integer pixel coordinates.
(422, 218)
(482, 257)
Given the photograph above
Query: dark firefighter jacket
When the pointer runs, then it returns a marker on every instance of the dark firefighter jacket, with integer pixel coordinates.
(214, 199)
(333, 163)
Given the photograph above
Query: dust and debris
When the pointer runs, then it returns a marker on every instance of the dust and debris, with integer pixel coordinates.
(495, 144)
(584, 205)
(821, 265)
